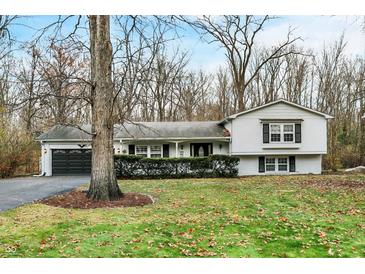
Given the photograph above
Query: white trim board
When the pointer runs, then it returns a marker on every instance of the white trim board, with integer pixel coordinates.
(327, 116)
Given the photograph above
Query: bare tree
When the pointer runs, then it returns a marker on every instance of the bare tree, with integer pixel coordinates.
(237, 35)
(60, 70)
(192, 91)
(225, 96)
(161, 80)
(29, 88)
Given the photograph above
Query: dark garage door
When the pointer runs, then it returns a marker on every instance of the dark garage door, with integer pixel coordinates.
(71, 161)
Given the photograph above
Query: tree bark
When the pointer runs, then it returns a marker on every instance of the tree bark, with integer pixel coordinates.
(103, 184)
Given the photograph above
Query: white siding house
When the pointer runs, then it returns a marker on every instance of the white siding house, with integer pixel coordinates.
(276, 138)
(294, 133)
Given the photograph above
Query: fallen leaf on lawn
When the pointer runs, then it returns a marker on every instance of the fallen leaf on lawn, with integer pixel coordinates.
(136, 240)
(212, 243)
(283, 219)
(321, 234)
(186, 235)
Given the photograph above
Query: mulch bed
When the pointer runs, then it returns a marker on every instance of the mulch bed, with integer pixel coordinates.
(334, 183)
(78, 199)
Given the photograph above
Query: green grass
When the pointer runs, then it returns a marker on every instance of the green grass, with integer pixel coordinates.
(248, 217)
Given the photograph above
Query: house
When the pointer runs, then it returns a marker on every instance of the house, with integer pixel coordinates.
(276, 138)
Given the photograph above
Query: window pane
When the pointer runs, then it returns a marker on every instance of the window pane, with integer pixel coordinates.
(141, 150)
(275, 137)
(155, 149)
(288, 128)
(270, 164)
(283, 168)
(275, 128)
(283, 164)
(270, 160)
(288, 137)
(282, 160)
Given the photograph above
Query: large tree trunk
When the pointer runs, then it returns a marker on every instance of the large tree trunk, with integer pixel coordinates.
(103, 184)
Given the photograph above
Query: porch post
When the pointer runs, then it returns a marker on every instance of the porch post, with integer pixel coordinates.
(176, 149)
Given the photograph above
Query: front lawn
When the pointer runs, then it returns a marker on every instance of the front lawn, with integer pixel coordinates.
(296, 216)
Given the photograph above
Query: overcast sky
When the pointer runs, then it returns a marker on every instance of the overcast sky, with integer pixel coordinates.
(316, 32)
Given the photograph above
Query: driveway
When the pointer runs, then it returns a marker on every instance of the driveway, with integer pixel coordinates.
(18, 191)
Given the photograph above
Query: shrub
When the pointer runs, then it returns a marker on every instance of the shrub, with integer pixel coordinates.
(19, 153)
(224, 165)
(131, 166)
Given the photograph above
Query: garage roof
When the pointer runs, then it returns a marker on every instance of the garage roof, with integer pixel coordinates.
(59, 132)
(142, 130)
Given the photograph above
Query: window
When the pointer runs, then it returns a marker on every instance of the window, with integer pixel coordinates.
(275, 133)
(273, 164)
(155, 151)
(283, 164)
(270, 164)
(281, 133)
(142, 150)
(288, 133)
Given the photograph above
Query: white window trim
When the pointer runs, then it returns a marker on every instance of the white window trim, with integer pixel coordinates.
(287, 164)
(270, 171)
(150, 153)
(135, 150)
(148, 150)
(277, 164)
(281, 125)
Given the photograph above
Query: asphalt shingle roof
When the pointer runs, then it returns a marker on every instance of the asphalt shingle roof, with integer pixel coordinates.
(144, 130)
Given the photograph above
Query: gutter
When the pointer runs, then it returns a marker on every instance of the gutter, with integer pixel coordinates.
(137, 139)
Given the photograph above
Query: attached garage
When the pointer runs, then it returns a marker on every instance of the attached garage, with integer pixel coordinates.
(71, 161)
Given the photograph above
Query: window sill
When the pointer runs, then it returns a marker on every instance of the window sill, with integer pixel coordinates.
(281, 145)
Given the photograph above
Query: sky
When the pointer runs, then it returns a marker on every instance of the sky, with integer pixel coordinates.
(317, 32)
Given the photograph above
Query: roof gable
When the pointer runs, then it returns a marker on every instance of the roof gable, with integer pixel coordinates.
(326, 116)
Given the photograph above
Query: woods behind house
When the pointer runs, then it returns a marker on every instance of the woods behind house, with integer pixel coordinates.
(46, 81)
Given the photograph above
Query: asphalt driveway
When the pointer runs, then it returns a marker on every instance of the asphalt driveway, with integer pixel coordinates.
(18, 191)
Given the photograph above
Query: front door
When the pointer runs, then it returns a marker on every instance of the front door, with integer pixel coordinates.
(201, 149)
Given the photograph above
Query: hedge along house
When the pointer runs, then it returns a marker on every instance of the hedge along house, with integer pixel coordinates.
(276, 138)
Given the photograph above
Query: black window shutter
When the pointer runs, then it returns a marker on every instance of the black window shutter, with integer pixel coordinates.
(191, 150)
(131, 149)
(166, 150)
(261, 164)
(265, 133)
(291, 163)
(298, 133)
